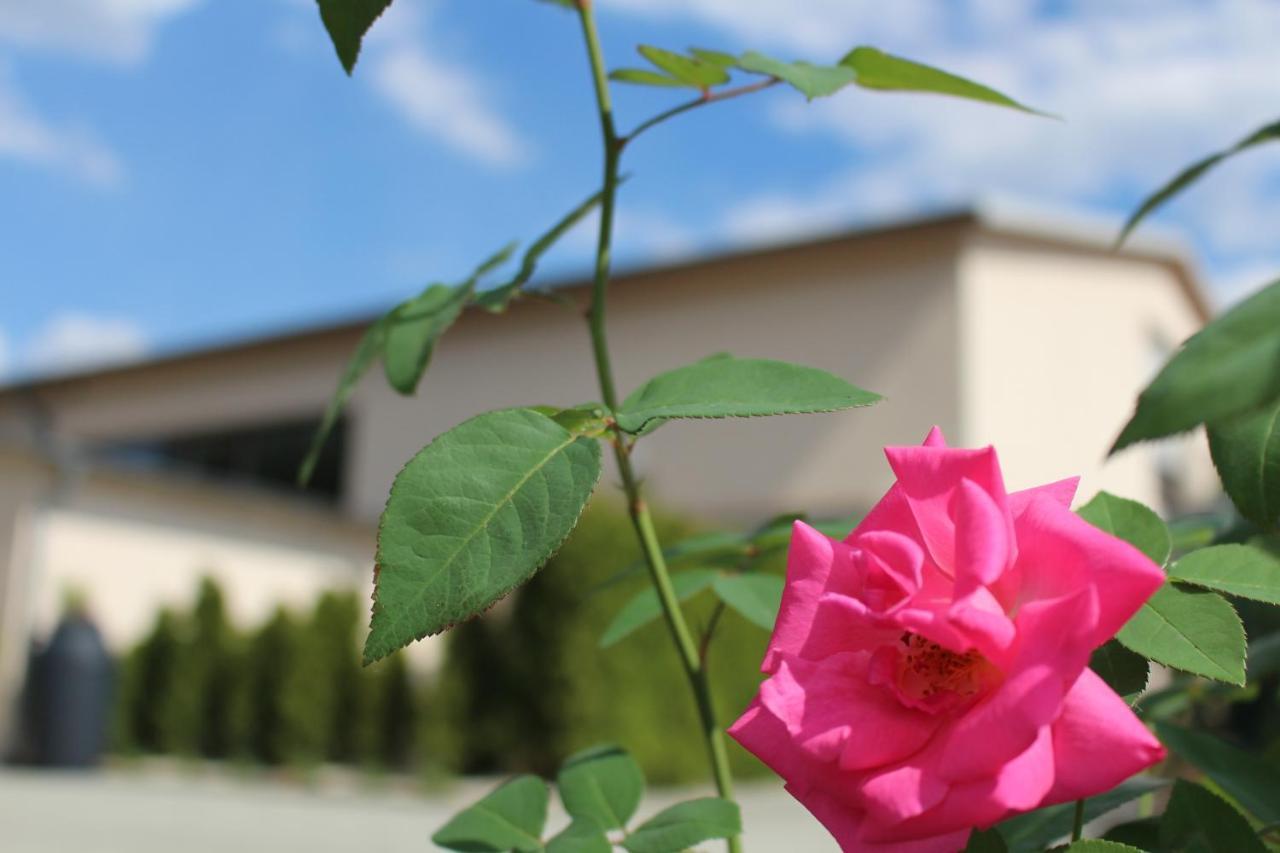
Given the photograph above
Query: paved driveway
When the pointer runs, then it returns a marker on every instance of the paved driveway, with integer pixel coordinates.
(173, 811)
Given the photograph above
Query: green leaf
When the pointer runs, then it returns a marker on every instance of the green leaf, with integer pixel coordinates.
(347, 21)
(492, 262)
(1246, 452)
(756, 596)
(1196, 531)
(1198, 820)
(1251, 781)
(813, 81)
(510, 818)
(1193, 173)
(497, 298)
(581, 836)
(715, 57)
(1036, 830)
(875, 69)
(684, 825)
(474, 514)
(602, 785)
(1229, 367)
(367, 352)
(737, 388)
(775, 534)
(1195, 631)
(644, 77)
(1247, 571)
(1098, 845)
(1132, 522)
(986, 841)
(707, 546)
(645, 606)
(717, 548)
(588, 419)
(415, 325)
(686, 69)
(1124, 671)
(413, 330)
(837, 528)
(1143, 833)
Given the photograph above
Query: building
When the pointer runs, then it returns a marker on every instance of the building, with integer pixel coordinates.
(130, 483)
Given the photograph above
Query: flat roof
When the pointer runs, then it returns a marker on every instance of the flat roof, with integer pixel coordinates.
(1051, 228)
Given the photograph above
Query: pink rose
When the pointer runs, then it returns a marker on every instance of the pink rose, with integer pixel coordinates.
(929, 674)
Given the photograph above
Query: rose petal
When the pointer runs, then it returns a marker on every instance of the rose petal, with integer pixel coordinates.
(766, 737)
(890, 513)
(845, 624)
(1062, 491)
(929, 478)
(845, 824)
(811, 561)
(1098, 741)
(892, 567)
(983, 538)
(1019, 784)
(989, 629)
(1061, 552)
(1006, 723)
(903, 792)
(823, 704)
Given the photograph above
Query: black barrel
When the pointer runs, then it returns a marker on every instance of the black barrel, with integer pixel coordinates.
(72, 702)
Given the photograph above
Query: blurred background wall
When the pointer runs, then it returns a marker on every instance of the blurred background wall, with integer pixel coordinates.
(130, 485)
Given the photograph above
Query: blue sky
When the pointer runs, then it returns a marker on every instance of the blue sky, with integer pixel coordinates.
(175, 173)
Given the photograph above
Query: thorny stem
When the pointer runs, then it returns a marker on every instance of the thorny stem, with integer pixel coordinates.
(707, 98)
(705, 646)
(688, 651)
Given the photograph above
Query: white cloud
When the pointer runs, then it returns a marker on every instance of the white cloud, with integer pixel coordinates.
(5, 357)
(441, 99)
(821, 28)
(445, 102)
(1144, 87)
(76, 340)
(29, 138)
(117, 31)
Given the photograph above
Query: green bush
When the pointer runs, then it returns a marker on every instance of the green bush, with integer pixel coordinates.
(474, 723)
(142, 719)
(176, 687)
(283, 715)
(333, 661)
(212, 662)
(387, 715)
(526, 685)
(519, 689)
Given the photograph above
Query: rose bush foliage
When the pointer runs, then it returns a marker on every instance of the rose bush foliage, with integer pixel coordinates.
(929, 674)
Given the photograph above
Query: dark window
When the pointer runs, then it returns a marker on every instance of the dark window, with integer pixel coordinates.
(260, 455)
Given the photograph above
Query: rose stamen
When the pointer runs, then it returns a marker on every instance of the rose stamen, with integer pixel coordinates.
(932, 677)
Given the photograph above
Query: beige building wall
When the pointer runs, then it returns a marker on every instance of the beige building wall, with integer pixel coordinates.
(881, 314)
(1036, 344)
(1055, 345)
(133, 546)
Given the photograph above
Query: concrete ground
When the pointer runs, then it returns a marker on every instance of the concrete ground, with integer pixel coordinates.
(171, 810)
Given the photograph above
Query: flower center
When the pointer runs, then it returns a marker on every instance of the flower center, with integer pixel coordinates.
(932, 678)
